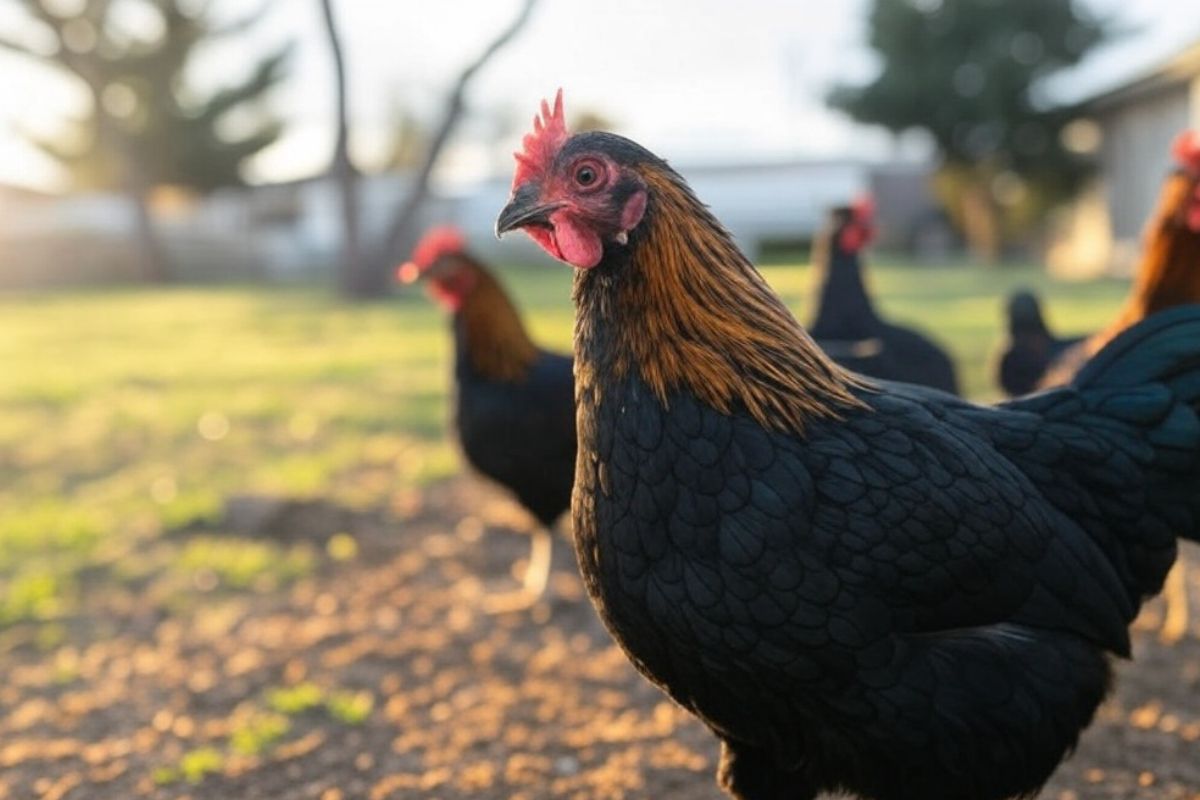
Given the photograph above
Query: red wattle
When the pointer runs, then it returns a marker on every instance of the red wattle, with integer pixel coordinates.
(445, 296)
(577, 244)
(853, 238)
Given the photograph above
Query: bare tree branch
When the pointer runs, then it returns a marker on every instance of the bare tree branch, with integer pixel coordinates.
(402, 229)
(352, 267)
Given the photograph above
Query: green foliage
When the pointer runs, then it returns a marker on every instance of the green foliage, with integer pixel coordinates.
(258, 733)
(255, 731)
(296, 699)
(241, 563)
(343, 705)
(197, 764)
(144, 108)
(350, 708)
(969, 73)
(31, 595)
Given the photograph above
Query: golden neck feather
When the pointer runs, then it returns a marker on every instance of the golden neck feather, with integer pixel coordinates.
(1169, 272)
(690, 313)
(494, 339)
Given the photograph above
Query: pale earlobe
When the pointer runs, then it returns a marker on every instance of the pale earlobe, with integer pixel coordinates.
(635, 208)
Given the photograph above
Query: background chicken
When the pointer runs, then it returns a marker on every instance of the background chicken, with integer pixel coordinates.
(1031, 346)
(873, 589)
(846, 324)
(514, 405)
(1167, 276)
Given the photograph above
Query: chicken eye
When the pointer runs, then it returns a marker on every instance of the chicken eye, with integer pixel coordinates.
(587, 174)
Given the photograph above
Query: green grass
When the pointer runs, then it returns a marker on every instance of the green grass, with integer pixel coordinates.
(258, 733)
(345, 706)
(127, 413)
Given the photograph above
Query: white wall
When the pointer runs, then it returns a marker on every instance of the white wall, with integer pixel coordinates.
(1136, 156)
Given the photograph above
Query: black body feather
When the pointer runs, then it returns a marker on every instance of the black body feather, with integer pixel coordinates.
(520, 433)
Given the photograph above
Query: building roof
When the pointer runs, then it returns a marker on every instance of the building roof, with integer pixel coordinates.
(1180, 70)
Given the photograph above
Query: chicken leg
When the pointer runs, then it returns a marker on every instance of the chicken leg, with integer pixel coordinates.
(535, 580)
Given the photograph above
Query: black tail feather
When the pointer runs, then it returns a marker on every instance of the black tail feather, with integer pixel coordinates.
(1164, 348)
(1157, 356)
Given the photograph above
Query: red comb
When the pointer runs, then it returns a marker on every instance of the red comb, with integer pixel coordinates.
(861, 228)
(437, 242)
(540, 144)
(864, 210)
(1186, 151)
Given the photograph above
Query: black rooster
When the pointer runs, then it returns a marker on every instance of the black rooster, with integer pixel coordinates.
(514, 402)
(847, 326)
(868, 588)
(1031, 347)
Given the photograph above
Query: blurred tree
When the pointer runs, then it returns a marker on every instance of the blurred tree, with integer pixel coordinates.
(401, 233)
(145, 125)
(135, 73)
(969, 72)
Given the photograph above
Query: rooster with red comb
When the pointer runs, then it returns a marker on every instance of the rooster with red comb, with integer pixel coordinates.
(862, 588)
(514, 405)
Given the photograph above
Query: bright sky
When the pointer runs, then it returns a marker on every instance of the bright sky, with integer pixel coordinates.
(690, 79)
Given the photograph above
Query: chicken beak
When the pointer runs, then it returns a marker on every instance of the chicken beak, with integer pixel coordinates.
(523, 209)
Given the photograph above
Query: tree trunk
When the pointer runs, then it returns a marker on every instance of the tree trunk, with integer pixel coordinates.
(981, 222)
(153, 261)
(401, 235)
(964, 190)
(354, 275)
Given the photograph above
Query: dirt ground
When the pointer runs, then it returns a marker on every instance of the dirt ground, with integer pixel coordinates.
(150, 696)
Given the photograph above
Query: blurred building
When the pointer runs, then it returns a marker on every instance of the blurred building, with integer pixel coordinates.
(764, 204)
(1138, 120)
(291, 231)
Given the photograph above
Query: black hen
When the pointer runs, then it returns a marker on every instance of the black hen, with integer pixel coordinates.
(1031, 347)
(514, 402)
(870, 588)
(847, 326)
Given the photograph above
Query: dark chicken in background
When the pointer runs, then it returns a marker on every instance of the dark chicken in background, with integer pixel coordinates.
(514, 402)
(1031, 347)
(846, 324)
(860, 587)
(1168, 275)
